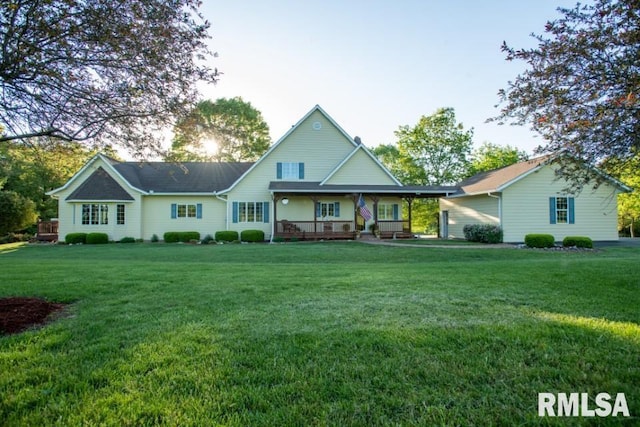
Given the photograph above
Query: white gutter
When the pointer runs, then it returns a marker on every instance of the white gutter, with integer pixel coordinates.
(499, 206)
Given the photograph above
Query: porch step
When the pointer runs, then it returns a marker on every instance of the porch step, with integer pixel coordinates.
(368, 236)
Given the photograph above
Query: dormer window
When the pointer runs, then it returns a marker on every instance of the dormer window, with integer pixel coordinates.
(290, 171)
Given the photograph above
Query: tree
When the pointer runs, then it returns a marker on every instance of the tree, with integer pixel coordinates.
(225, 130)
(628, 203)
(582, 86)
(16, 212)
(35, 168)
(491, 156)
(104, 70)
(433, 152)
(436, 150)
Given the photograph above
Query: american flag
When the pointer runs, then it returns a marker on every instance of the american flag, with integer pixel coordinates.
(364, 210)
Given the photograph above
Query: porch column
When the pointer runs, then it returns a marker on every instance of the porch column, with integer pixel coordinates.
(410, 202)
(315, 219)
(375, 210)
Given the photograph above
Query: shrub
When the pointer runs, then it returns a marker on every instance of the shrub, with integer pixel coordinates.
(97, 238)
(577, 241)
(483, 233)
(127, 240)
(207, 239)
(75, 238)
(539, 240)
(252, 236)
(181, 236)
(227, 236)
(155, 239)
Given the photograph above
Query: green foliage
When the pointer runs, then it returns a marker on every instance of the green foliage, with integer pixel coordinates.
(33, 169)
(577, 241)
(628, 172)
(252, 236)
(16, 212)
(490, 156)
(230, 130)
(100, 70)
(128, 240)
(75, 238)
(539, 240)
(227, 236)
(436, 150)
(15, 237)
(483, 233)
(581, 88)
(97, 238)
(208, 239)
(155, 239)
(181, 236)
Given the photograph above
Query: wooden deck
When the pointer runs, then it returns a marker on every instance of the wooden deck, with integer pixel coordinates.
(47, 231)
(336, 230)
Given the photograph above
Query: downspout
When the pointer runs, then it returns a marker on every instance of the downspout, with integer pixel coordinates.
(499, 207)
(226, 209)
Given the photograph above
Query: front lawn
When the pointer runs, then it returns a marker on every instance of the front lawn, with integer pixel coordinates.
(317, 334)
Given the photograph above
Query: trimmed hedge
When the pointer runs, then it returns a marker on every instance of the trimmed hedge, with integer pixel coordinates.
(127, 240)
(578, 242)
(539, 240)
(97, 238)
(252, 236)
(483, 233)
(181, 236)
(227, 236)
(75, 238)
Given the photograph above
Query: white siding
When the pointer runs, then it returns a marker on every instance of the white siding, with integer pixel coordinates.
(525, 209)
(469, 210)
(156, 217)
(360, 169)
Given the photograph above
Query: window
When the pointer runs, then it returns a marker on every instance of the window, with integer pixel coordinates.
(561, 210)
(186, 210)
(388, 211)
(120, 214)
(290, 170)
(326, 209)
(250, 211)
(94, 214)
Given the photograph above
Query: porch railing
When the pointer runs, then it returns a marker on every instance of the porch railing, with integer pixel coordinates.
(47, 231)
(337, 229)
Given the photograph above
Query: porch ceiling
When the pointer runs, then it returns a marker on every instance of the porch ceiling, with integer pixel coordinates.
(416, 191)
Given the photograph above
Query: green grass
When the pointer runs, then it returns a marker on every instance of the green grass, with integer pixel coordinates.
(317, 334)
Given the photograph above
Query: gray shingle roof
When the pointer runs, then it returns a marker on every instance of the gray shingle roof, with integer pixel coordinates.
(100, 186)
(486, 182)
(315, 187)
(186, 177)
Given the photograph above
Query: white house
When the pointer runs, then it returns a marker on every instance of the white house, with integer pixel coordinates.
(528, 197)
(308, 185)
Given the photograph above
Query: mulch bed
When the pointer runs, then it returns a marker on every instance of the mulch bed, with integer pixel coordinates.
(20, 313)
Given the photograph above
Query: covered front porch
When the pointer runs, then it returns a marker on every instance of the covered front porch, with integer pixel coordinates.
(310, 211)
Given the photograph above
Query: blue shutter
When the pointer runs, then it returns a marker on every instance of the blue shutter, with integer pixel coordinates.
(572, 210)
(199, 211)
(234, 213)
(552, 210)
(336, 209)
(396, 211)
(318, 210)
(265, 212)
(301, 170)
(279, 170)
(174, 211)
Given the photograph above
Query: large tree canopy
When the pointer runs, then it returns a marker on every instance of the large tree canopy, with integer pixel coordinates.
(435, 151)
(492, 156)
(107, 70)
(581, 89)
(229, 130)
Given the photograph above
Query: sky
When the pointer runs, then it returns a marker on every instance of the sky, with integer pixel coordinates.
(374, 66)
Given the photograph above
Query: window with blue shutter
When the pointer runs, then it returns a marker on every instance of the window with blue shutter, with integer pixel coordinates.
(562, 210)
(552, 210)
(279, 170)
(290, 171)
(234, 211)
(174, 210)
(301, 170)
(199, 211)
(265, 212)
(572, 211)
